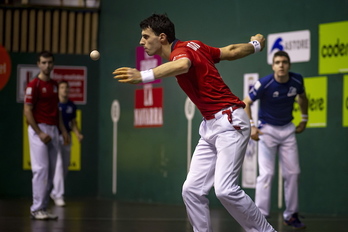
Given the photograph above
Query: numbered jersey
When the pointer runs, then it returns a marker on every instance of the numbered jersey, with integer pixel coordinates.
(277, 99)
(203, 83)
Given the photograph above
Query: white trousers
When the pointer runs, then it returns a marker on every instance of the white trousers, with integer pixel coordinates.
(281, 140)
(217, 161)
(43, 159)
(63, 162)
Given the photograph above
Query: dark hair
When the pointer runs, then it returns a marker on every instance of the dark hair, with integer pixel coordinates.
(160, 23)
(63, 82)
(282, 53)
(45, 54)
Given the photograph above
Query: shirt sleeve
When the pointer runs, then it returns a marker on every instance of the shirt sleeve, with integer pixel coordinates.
(256, 91)
(181, 53)
(214, 52)
(74, 110)
(30, 94)
(302, 89)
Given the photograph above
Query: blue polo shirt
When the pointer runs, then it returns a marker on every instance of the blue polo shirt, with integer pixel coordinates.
(276, 99)
(68, 110)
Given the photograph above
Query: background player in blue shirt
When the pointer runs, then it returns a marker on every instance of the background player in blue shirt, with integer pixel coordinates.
(68, 109)
(276, 134)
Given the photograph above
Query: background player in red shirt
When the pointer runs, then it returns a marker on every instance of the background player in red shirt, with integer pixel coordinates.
(225, 130)
(43, 117)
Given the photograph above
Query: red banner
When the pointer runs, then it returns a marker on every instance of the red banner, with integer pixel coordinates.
(148, 110)
(76, 77)
(5, 67)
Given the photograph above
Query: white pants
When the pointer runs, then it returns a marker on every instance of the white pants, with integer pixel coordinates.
(43, 159)
(217, 161)
(281, 140)
(63, 162)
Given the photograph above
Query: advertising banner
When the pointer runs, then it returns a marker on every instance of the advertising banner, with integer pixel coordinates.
(333, 48)
(296, 43)
(316, 89)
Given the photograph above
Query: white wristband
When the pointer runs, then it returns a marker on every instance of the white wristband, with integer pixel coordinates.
(147, 76)
(304, 117)
(256, 44)
(252, 122)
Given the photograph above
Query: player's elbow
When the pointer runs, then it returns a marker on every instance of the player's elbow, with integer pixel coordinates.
(247, 101)
(228, 52)
(27, 109)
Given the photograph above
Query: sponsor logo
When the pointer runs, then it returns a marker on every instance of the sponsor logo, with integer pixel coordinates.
(334, 50)
(296, 44)
(257, 85)
(292, 92)
(277, 45)
(69, 110)
(28, 91)
(193, 46)
(179, 57)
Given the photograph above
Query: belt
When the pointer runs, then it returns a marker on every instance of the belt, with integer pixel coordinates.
(227, 111)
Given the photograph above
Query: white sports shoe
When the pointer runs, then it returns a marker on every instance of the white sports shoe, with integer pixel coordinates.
(51, 216)
(42, 215)
(58, 201)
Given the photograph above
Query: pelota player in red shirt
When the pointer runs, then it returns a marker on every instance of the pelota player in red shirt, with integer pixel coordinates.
(43, 117)
(225, 130)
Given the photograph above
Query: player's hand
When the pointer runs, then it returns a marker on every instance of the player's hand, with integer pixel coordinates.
(66, 138)
(301, 127)
(259, 38)
(45, 138)
(80, 137)
(127, 75)
(255, 133)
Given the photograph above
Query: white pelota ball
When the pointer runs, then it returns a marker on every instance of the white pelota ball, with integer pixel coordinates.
(95, 55)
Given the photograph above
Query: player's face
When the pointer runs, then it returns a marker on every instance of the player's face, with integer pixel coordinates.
(45, 65)
(63, 90)
(150, 42)
(281, 66)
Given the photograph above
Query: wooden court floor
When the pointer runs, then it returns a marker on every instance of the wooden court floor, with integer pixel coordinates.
(104, 215)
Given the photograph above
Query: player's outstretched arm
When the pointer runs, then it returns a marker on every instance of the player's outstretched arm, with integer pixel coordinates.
(237, 51)
(169, 69)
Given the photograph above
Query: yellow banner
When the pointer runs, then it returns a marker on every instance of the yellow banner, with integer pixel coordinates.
(345, 101)
(316, 89)
(75, 158)
(333, 47)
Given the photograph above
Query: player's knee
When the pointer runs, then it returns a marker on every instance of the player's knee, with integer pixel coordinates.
(266, 177)
(187, 190)
(291, 177)
(227, 193)
(265, 180)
